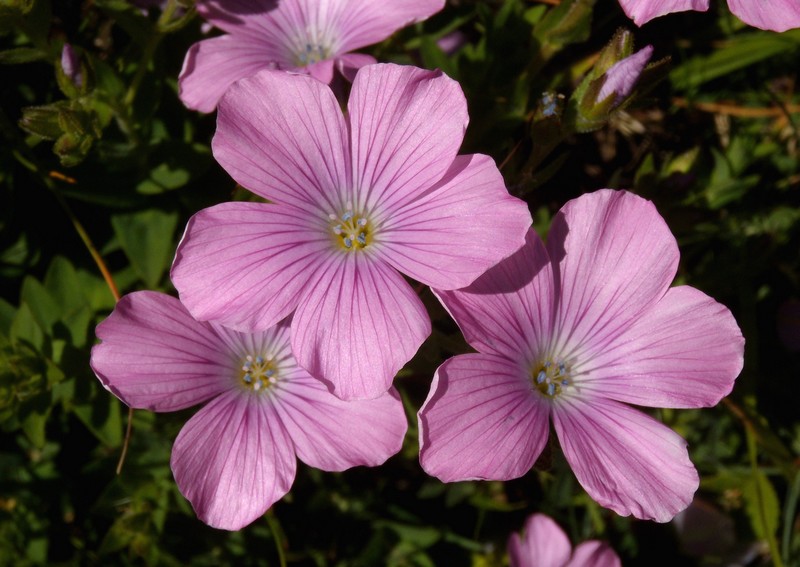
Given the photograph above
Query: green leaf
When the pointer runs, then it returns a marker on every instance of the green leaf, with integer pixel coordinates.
(21, 55)
(740, 52)
(45, 309)
(102, 417)
(761, 504)
(7, 313)
(64, 287)
(24, 328)
(147, 238)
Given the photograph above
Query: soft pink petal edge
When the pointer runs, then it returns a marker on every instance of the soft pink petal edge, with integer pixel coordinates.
(642, 11)
(283, 136)
(246, 265)
(466, 224)
(233, 460)
(358, 325)
(509, 309)
(685, 352)
(624, 459)
(155, 356)
(613, 256)
(482, 420)
(773, 15)
(543, 544)
(407, 125)
(334, 435)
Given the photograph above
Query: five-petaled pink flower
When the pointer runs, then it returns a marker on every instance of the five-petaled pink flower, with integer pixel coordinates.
(236, 456)
(544, 544)
(774, 15)
(355, 201)
(307, 36)
(574, 332)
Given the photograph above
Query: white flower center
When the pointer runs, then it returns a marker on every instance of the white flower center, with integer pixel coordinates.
(259, 372)
(550, 377)
(351, 231)
(311, 53)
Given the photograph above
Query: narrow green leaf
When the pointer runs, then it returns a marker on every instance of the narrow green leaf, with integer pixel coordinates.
(740, 52)
(21, 55)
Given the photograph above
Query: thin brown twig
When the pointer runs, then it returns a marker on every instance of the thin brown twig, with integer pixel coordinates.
(731, 109)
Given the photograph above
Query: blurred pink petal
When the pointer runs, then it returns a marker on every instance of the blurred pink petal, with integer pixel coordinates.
(642, 11)
(236, 456)
(594, 553)
(346, 206)
(207, 70)
(774, 15)
(542, 544)
(486, 420)
(303, 36)
(623, 75)
(586, 322)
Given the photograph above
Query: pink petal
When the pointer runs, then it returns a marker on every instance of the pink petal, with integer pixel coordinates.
(358, 326)
(334, 435)
(684, 352)
(155, 356)
(407, 125)
(239, 16)
(623, 75)
(233, 460)
(613, 256)
(245, 265)
(349, 64)
(594, 554)
(642, 11)
(775, 15)
(321, 71)
(365, 22)
(544, 544)
(213, 65)
(283, 137)
(482, 421)
(509, 309)
(624, 459)
(466, 224)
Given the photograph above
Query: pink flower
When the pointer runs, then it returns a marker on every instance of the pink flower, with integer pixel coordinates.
(71, 65)
(546, 545)
(623, 75)
(236, 456)
(774, 15)
(355, 201)
(306, 36)
(574, 332)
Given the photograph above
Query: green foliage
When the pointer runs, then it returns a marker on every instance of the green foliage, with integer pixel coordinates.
(115, 167)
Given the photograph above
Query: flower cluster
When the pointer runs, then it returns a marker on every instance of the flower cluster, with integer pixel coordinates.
(295, 316)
